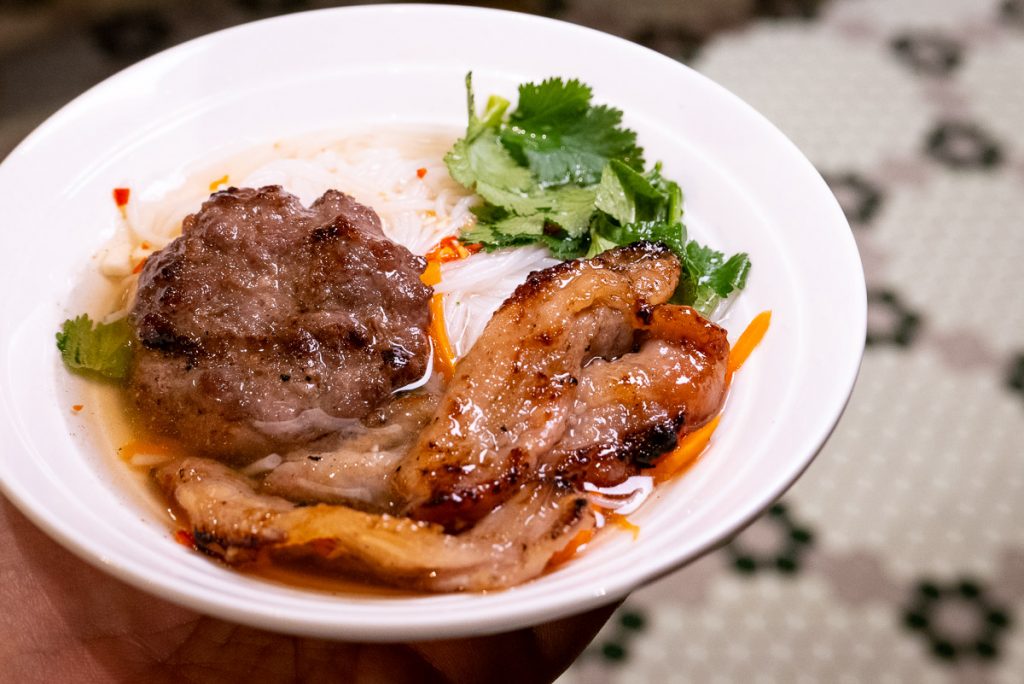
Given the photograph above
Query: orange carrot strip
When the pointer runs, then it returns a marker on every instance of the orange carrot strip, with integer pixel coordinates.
(219, 182)
(749, 339)
(581, 539)
(444, 357)
(690, 447)
(138, 266)
(432, 275)
(623, 522)
(77, 407)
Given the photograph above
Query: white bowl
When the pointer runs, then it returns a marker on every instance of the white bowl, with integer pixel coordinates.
(747, 188)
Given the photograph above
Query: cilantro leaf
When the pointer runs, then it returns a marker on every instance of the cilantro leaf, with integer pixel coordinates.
(485, 166)
(103, 349)
(570, 208)
(479, 161)
(598, 244)
(517, 209)
(708, 277)
(562, 172)
(629, 196)
(521, 227)
(562, 138)
(731, 275)
(565, 246)
(606, 231)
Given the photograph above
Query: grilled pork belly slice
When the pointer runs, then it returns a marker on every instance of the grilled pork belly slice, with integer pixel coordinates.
(513, 544)
(585, 374)
(583, 368)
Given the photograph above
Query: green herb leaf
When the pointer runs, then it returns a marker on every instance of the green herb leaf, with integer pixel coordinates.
(485, 166)
(730, 276)
(570, 208)
(103, 349)
(561, 171)
(492, 115)
(562, 138)
(709, 277)
(629, 196)
(565, 246)
(672, 234)
(598, 244)
(527, 228)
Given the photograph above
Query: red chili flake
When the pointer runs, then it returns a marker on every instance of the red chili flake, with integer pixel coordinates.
(138, 266)
(144, 245)
(185, 538)
(77, 407)
(121, 196)
(420, 173)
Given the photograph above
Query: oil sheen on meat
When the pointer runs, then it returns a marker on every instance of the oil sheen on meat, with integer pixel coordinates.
(267, 324)
(585, 374)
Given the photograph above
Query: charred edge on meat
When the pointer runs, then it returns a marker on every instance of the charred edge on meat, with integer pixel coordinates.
(462, 508)
(157, 333)
(341, 225)
(536, 281)
(638, 450)
(644, 449)
(645, 313)
(234, 550)
(572, 517)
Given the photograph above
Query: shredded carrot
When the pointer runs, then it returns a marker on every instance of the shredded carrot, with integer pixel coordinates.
(574, 546)
(77, 407)
(444, 357)
(749, 339)
(448, 249)
(683, 456)
(136, 447)
(623, 522)
(432, 275)
(420, 173)
(138, 266)
(223, 180)
(121, 196)
(692, 445)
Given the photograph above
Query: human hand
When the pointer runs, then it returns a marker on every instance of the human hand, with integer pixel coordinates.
(63, 620)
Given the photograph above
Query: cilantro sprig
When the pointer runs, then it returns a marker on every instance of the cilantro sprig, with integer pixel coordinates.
(561, 171)
(102, 349)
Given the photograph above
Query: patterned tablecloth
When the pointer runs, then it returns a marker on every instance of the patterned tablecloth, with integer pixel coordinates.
(900, 554)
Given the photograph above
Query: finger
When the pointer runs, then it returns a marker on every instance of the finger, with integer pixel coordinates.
(60, 615)
(539, 654)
